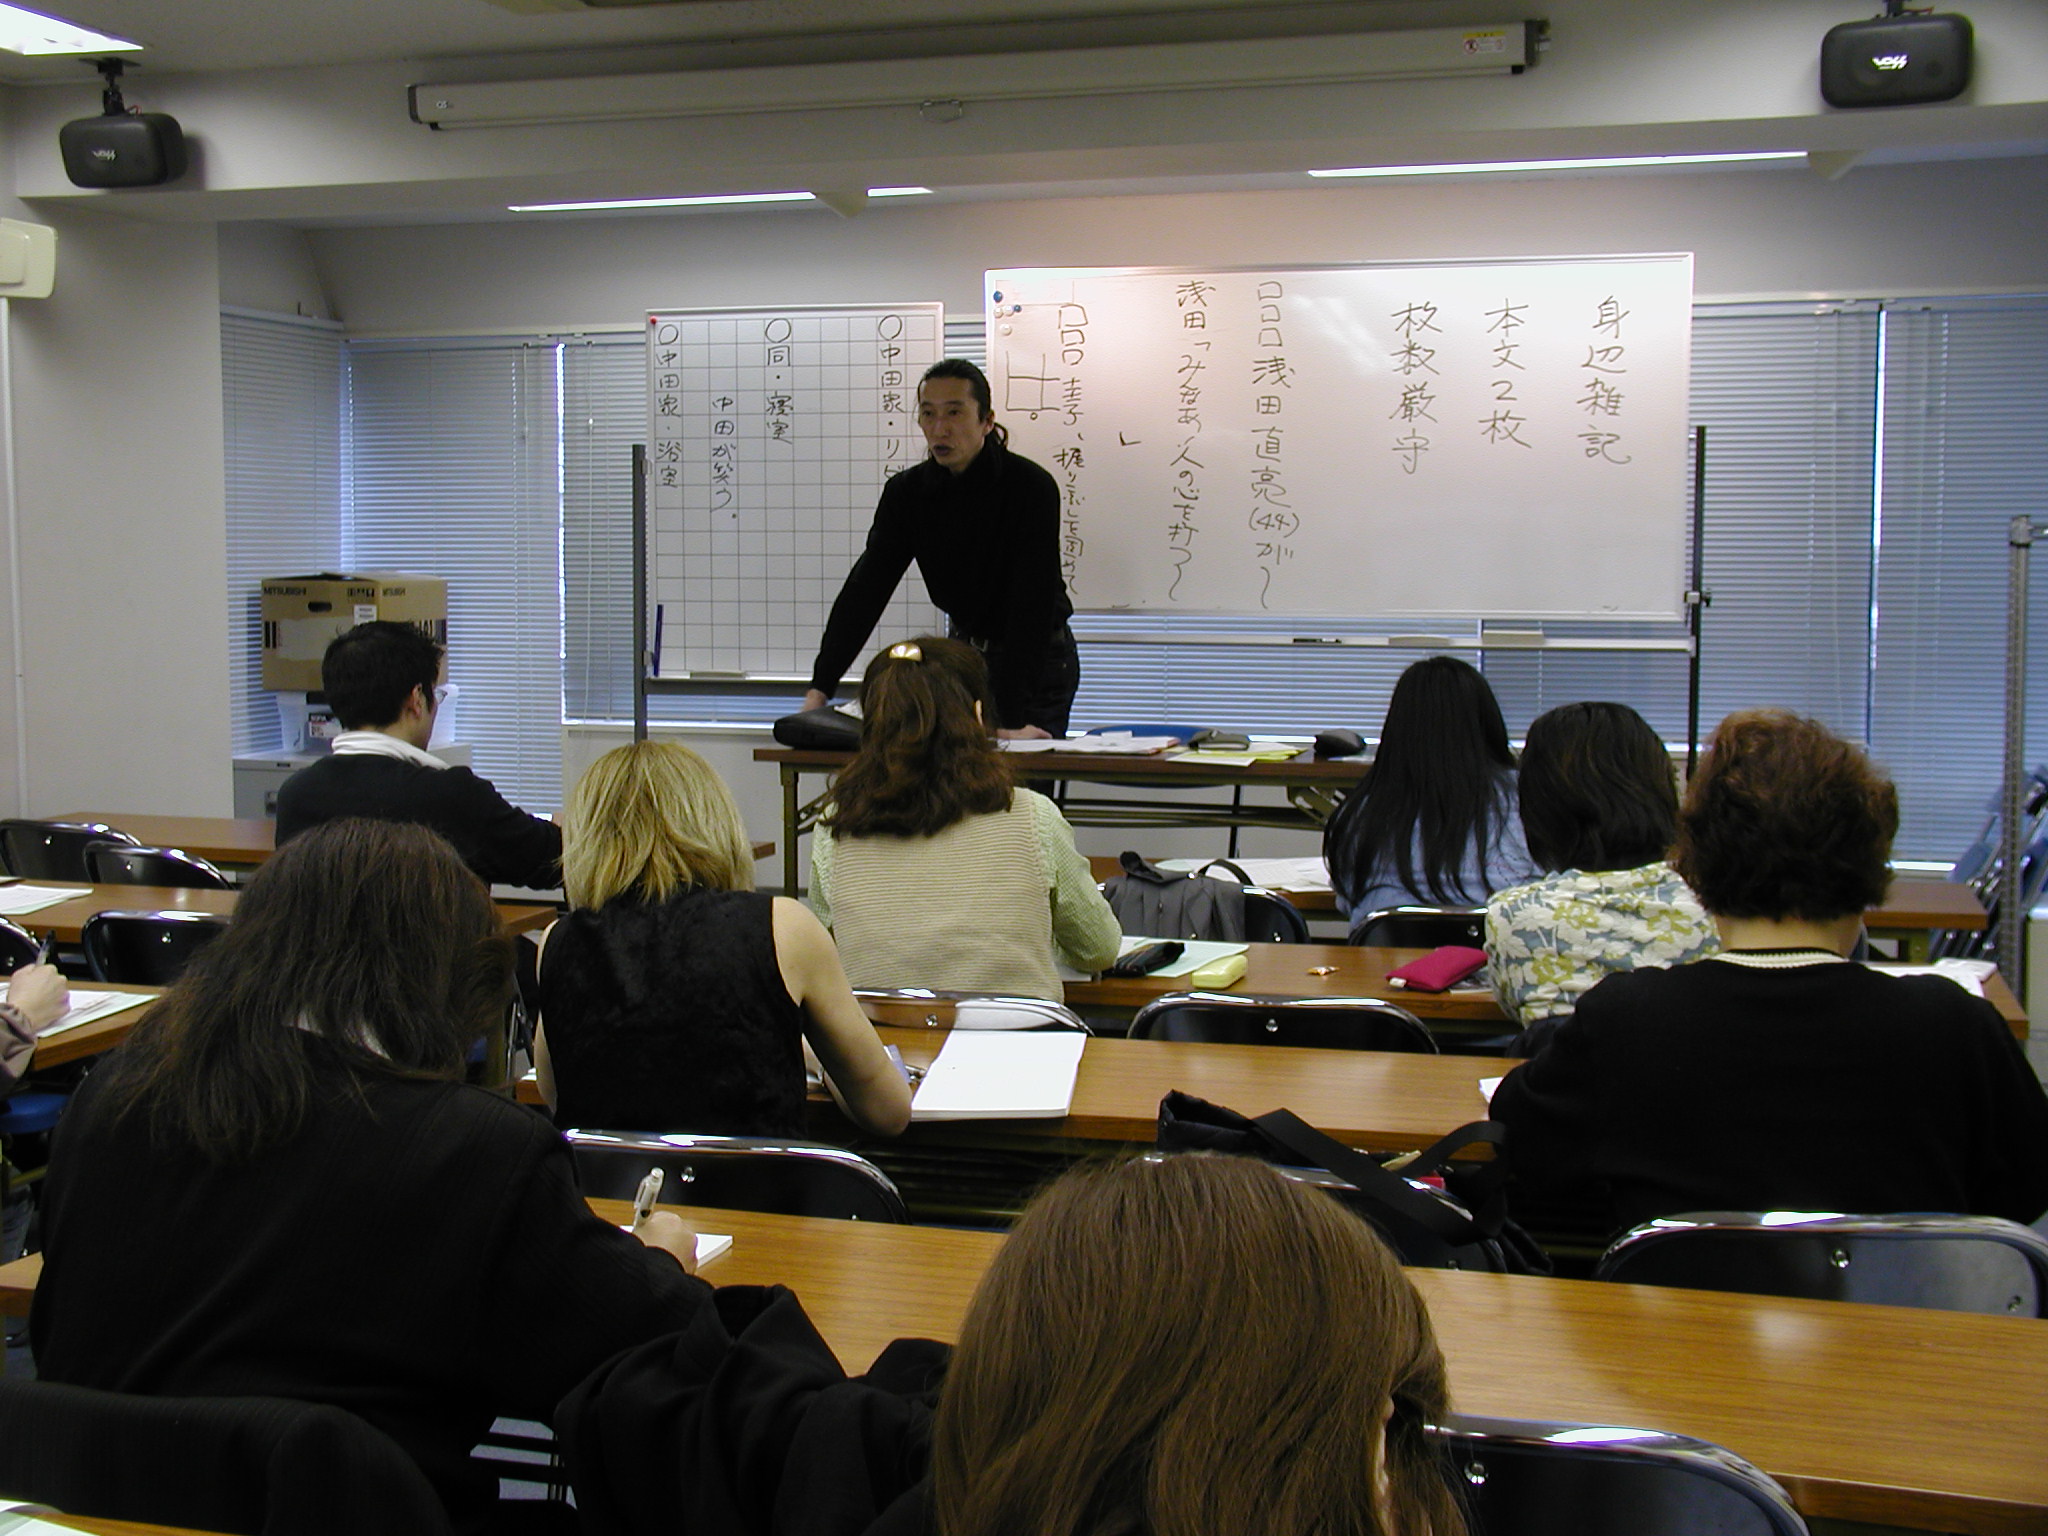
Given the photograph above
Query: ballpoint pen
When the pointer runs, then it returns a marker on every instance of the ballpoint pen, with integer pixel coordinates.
(644, 1198)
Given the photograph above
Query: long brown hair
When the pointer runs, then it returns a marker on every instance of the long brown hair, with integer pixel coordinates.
(372, 935)
(1185, 1346)
(927, 754)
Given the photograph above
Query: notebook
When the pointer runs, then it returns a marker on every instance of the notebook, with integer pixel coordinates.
(1001, 1075)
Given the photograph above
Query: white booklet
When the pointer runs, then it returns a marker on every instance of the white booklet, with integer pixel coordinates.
(1001, 1075)
(19, 900)
(87, 1006)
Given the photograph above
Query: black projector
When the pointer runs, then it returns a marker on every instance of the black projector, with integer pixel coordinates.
(1895, 61)
(127, 149)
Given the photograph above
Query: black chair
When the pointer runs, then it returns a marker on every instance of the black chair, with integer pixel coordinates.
(122, 864)
(1950, 1263)
(1228, 1018)
(1417, 927)
(742, 1173)
(978, 1010)
(18, 947)
(1528, 1477)
(146, 948)
(53, 850)
(1270, 918)
(262, 1465)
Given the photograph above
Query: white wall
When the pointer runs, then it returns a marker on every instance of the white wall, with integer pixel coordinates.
(270, 267)
(117, 405)
(1978, 225)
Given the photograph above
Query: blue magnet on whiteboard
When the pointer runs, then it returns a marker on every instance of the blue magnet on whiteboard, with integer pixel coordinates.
(999, 298)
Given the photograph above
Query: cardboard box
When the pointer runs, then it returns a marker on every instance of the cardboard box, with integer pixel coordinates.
(301, 614)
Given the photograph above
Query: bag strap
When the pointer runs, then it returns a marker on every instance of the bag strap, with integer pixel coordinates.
(1317, 1150)
(1484, 1190)
(1242, 877)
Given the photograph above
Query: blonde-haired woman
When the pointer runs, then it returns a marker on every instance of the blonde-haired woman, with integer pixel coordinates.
(675, 997)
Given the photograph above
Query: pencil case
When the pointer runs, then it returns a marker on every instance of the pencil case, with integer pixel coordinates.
(1440, 969)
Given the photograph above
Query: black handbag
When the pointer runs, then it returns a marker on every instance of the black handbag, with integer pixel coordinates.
(1464, 1225)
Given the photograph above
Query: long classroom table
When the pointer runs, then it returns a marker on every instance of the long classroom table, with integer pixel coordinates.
(67, 918)
(1883, 1414)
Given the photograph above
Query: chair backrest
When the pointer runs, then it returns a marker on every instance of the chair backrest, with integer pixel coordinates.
(53, 850)
(1228, 1018)
(146, 948)
(1952, 1263)
(255, 1464)
(976, 1010)
(119, 864)
(1527, 1477)
(1417, 927)
(742, 1173)
(1270, 918)
(18, 947)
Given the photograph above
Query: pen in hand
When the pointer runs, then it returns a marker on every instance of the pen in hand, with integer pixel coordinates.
(47, 949)
(644, 1198)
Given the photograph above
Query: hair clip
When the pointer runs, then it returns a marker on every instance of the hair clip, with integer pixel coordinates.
(906, 650)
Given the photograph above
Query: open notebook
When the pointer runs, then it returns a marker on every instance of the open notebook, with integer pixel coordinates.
(1000, 1075)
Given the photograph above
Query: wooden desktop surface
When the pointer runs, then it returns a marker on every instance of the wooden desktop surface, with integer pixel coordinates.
(1912, 1418)
(218, 839)
(67, 918)
(1914, 901)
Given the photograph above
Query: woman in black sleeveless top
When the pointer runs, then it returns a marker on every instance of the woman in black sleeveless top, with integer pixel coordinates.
(674, 997)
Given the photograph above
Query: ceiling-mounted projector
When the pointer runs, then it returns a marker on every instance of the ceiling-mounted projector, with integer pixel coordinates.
(120, 148)
(1895, 60)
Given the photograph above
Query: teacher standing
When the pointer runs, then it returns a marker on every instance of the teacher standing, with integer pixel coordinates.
(983, 525)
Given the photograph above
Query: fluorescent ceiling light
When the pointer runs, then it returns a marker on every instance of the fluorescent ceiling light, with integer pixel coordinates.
(26, 32)
(899, 191)
(718, 199)
(1587, 163)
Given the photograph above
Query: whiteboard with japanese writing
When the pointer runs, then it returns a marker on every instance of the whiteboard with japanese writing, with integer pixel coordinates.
(1459, 439)
(770, 432)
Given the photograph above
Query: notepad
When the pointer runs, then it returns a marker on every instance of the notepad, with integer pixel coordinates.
(18, 899)
(87, 1006)
(1000, 1075)
(709, 1244)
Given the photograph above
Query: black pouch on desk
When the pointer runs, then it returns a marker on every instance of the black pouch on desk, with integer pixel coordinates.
(1463, 1226)
(1162, 905)
(824, 729)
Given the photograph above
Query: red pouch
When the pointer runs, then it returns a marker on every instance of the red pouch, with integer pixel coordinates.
(1440, 969)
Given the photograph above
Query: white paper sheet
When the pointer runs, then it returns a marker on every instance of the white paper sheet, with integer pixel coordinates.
(1001, 1075)
(16, 900)
(87, 1006)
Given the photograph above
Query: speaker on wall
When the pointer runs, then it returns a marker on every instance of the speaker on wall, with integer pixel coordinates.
(120, 148)
(1895, 61)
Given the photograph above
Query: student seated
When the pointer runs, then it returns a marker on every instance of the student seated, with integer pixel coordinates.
(382, 682)
(930, 867)
(1182, 1347)
(280, 1185)
(1432, 823)
(1778, 1074)
(674, 997)
(36, 998)
(1600, 809)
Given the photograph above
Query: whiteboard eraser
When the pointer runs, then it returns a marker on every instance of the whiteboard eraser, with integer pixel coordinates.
(1218, 973)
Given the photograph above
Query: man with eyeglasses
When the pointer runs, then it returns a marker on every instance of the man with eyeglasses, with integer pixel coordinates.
(382, 681)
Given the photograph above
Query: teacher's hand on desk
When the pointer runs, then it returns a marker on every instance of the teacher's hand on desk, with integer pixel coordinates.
(1024, 733)
(814, 699)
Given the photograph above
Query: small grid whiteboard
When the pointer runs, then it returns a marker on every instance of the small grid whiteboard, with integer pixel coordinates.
(770, 432)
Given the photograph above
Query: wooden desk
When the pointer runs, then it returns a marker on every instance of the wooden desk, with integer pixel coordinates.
(67, 918)
(1914, 1418)
(1306, 780)
(219, 839)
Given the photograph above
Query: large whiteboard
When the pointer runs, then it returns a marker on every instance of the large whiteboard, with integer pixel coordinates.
(770, 432)
(1469, 439)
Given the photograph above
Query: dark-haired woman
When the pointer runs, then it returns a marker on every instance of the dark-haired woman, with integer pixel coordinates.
(1600, 809)
(280, 1186)
(1190, 1346)
(1433, 821)
(983, 525)
(1779, 1074)
(930, 867)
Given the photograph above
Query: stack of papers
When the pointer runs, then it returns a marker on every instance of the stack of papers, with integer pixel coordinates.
(1001, 1075)
(87, 1006)
(1109, 743)
(18, 899)
(1967, 974)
